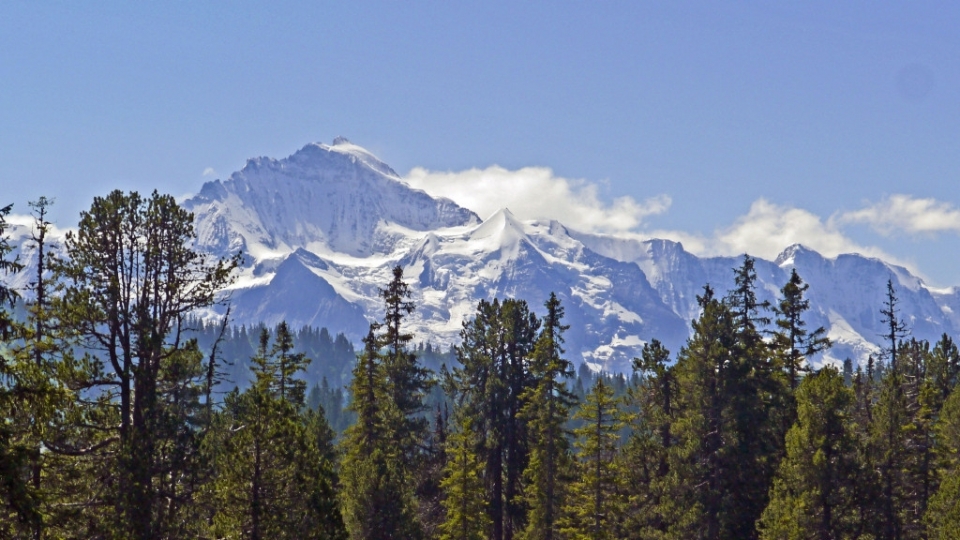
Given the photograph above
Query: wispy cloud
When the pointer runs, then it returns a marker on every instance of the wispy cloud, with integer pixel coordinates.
(900, 214)
(768, 228)
(764, 231)
(209, 172)
(536, 193)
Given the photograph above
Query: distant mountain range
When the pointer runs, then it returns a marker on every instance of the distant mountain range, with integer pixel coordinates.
(322, 228)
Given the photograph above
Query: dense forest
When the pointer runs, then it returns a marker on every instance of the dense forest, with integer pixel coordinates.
(124, 416)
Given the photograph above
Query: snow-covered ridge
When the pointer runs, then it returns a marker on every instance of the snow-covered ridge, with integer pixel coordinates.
(322, 229)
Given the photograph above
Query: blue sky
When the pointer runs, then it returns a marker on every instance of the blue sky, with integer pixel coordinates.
(728, 125)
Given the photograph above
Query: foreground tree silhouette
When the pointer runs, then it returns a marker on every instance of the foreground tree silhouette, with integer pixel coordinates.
(131, 279)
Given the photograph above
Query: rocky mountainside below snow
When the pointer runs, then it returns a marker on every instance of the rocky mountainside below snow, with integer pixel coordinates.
(322, 229)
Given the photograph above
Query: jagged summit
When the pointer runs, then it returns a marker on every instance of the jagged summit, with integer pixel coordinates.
(339, 198)
(788, 256)
(323, 228)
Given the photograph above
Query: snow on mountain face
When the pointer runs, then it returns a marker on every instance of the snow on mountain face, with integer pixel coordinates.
(846, 293)
(323, 228)
(325, 225)
(338, 198)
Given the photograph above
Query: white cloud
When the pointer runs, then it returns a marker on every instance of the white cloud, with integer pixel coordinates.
(209, 172)
(764, 231)
(768, 228)
(903, 213)
(536, 193)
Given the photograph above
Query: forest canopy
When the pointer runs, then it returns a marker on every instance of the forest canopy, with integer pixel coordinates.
(125, 415)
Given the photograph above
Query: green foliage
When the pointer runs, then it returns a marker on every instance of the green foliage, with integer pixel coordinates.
(594, 503)
(383, 462)
(489, 384)
(814, 492)
(112, 426)
(546, 407)
(464, 502)
(273, 476)
(943, 514)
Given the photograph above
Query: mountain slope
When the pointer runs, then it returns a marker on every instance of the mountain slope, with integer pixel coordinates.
(322, 229)
(338, 197)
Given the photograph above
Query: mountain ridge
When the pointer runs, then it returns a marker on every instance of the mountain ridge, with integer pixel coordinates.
(322, 228)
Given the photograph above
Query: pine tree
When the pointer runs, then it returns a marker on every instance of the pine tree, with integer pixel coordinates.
(131, 278)
(546, 407)
(273, 475)
(813, 494)
(494, 354)
(647, 456)
(594, 503)
(792, 342)
(701, 460)
(19, 500)
(406, 381)
(891, 418)
(464, 501)
(754, 392)
(376, 502)
(942, 517)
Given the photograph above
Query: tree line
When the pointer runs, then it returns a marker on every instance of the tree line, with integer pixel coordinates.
(115, 425)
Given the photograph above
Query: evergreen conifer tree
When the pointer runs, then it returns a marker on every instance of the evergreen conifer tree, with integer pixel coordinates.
(647, 456)
(943, 513)
(465, 500)
(813, 494)
(594, 504)
(546, 407)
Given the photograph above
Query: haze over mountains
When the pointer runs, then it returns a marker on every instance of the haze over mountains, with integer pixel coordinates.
(322, 228)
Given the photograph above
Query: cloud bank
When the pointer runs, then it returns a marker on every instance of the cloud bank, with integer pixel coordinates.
(764, 231)
(535, 193)
(899, 214)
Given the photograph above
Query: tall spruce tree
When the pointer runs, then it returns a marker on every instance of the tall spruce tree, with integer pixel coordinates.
(594, 505)
(273, 475)
(702, 461)
(814, 492)
(755, 392)
(465, 501)
(546, 407)
(19, 501)
(377, 505)
(942, 517)
(494, 354)
(647, 456)
(383, 453)
(792, 342)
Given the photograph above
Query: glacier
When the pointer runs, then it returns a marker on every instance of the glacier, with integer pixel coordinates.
(321, 230)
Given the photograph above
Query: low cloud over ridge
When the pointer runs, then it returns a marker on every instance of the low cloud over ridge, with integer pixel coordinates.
(764, 231)
(536, 193)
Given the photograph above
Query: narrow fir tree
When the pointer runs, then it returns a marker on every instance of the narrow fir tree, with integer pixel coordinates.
(464, 501)
(813, 494)
(546, 407)
(792, 342)
(943, 514)
(594, 504)
(646, 458)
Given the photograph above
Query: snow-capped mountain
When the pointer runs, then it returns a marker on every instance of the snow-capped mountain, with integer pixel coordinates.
(338, 198)
(322, 229)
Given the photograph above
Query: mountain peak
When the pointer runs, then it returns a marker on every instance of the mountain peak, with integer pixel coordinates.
(789, 255)
(339, 196)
